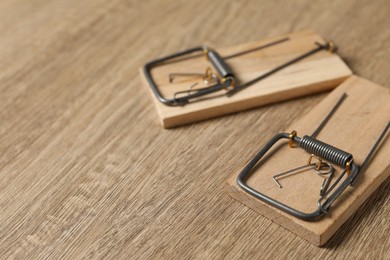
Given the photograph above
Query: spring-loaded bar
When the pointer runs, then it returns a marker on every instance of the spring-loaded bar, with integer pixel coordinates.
(227, 77)
(322, 150)
(225, 80)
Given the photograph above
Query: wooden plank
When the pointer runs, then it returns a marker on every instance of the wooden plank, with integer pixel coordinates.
(320, 72)
(353, 128)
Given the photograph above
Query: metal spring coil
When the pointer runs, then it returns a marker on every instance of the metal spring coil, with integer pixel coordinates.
(325, 151)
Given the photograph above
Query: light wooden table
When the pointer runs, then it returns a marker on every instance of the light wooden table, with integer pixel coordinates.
(86, 169)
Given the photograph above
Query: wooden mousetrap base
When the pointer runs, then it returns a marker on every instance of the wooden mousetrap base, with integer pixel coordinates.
(319, 72)
(354, 128)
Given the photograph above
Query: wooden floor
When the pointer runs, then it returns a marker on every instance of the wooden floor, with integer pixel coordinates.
(88, 172)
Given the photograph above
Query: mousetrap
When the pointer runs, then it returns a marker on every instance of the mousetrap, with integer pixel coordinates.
(313, 178)
(201, 82)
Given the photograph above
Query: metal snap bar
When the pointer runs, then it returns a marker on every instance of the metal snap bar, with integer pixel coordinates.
(325, 151)
(224, 77)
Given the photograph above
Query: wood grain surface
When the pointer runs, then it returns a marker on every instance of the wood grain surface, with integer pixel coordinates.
(88, 172)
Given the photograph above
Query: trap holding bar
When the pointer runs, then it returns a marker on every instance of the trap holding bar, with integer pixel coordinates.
(353, 169)
(226, 79)
(322, 150)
